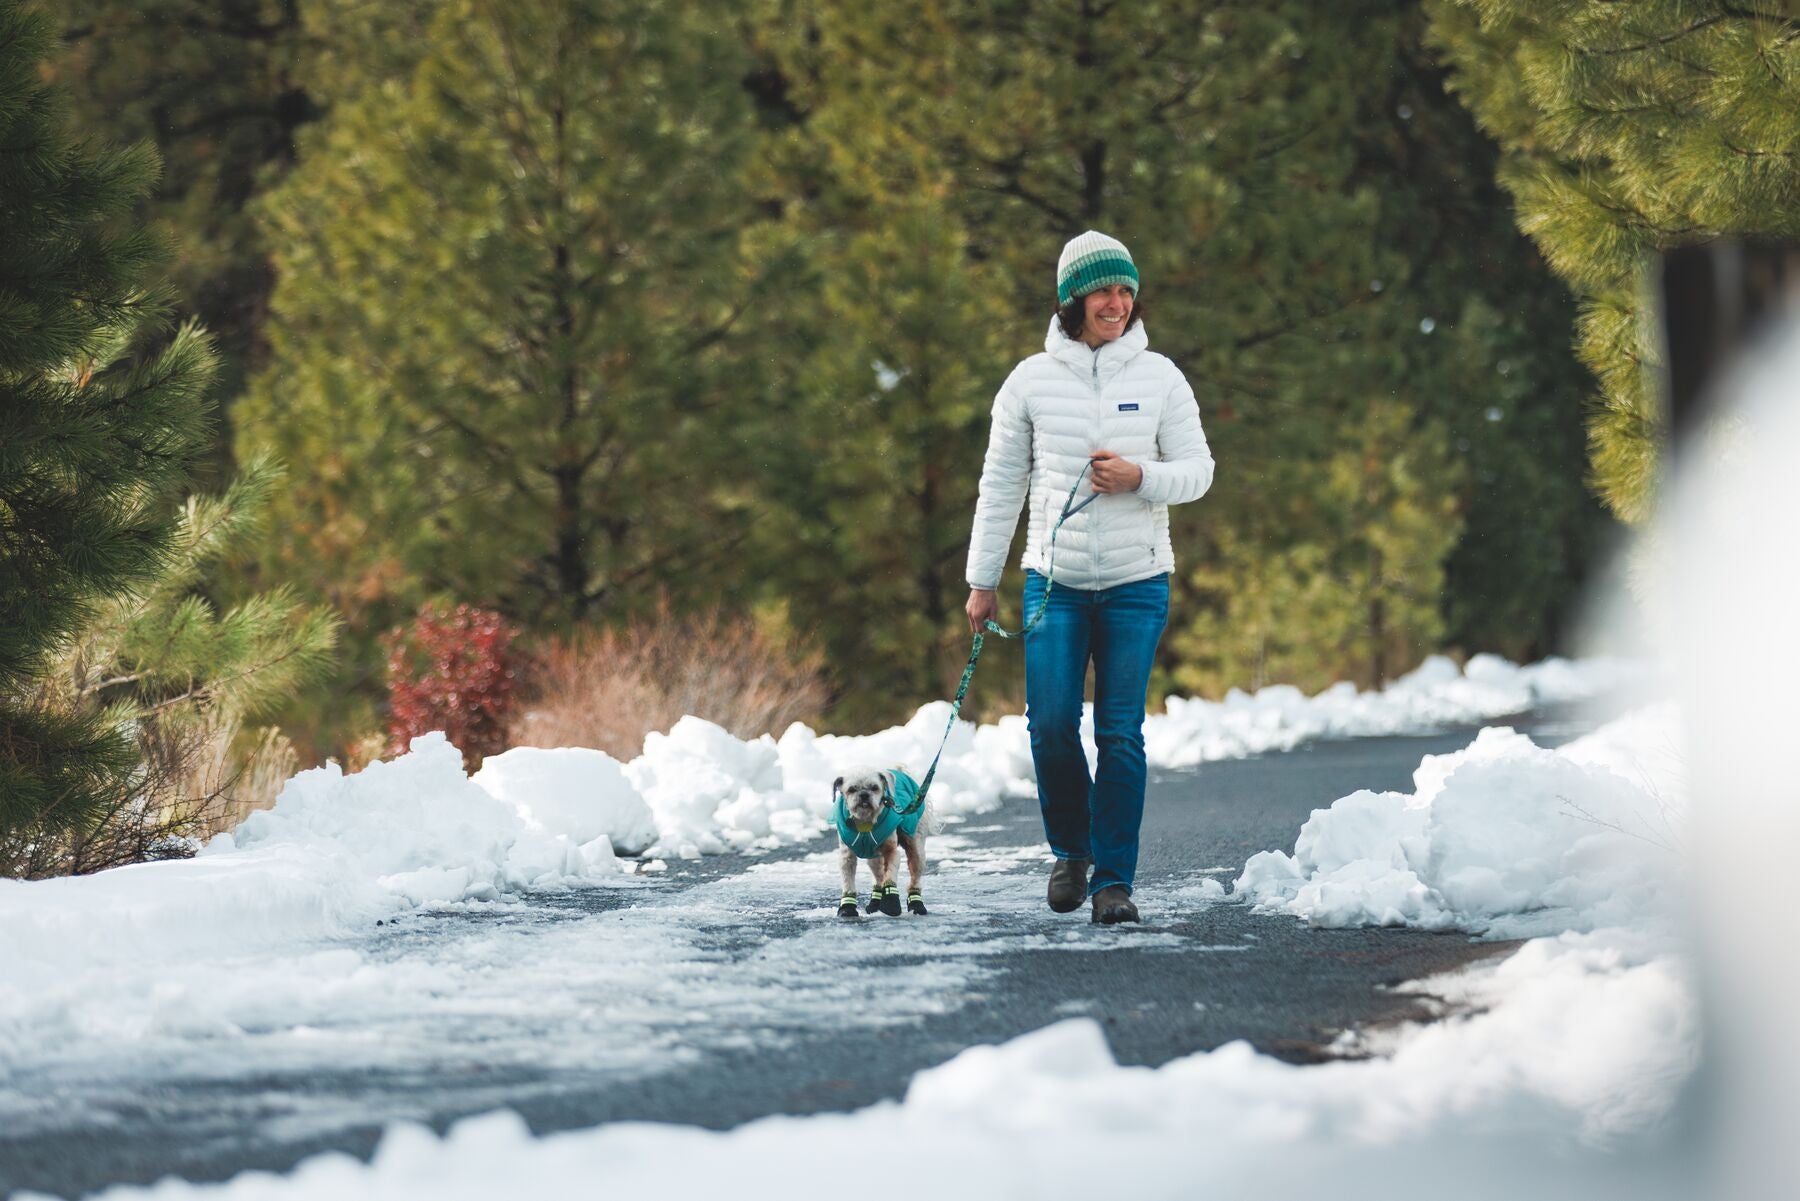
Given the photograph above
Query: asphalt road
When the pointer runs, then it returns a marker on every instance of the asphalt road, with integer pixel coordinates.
(989, 963)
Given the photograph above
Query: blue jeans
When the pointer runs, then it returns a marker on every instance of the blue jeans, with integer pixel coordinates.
(1095, 818)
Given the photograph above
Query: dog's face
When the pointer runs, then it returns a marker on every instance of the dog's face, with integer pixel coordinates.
(863, 789)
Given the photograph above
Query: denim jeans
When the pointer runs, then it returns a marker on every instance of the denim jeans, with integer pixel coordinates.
(1097, 817)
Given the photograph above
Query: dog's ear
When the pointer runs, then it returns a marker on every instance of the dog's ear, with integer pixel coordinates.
(837, 785)
(887, 782)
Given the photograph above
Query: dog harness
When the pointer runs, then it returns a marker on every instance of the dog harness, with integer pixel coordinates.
(900, 810)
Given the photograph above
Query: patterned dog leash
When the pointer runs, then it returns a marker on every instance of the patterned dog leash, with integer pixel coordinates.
(1069, 509)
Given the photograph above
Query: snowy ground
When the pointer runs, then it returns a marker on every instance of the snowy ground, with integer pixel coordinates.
(527, 994)
(1590, 1031)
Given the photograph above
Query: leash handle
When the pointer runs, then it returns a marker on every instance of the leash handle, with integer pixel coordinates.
(994, 627)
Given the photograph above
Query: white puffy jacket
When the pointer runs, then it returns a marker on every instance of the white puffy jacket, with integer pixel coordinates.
(1053, 412)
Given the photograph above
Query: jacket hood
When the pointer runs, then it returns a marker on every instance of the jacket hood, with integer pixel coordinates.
(1112, 355)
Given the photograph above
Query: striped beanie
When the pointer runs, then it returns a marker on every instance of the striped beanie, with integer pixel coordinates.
(1092, 260)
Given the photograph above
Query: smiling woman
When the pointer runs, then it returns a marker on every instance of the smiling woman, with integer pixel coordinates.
(1097, 401)
(1101, 315)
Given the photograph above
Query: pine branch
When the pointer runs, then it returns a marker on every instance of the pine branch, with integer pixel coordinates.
(1012, 186)
(1657, 42)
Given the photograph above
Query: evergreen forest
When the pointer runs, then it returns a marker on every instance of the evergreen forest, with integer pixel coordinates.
(659, 340)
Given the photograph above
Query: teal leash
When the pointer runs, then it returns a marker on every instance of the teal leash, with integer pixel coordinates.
(1069, 509)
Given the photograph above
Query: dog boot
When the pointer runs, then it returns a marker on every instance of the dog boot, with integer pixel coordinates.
(874, 905)
(1068, 884)
(847, 905)
(915, 902)
(890, 901)
(1112, 905)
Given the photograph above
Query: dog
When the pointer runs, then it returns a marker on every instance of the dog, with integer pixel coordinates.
(876, 819)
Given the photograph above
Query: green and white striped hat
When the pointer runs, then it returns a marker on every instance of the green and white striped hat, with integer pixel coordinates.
(1092, 260)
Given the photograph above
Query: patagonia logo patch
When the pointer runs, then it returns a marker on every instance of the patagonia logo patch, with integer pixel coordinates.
(1128, 408)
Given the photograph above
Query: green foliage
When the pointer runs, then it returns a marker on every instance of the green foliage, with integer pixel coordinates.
(1627, 129)
(170, 644)
(584, 306)
(1303, 201)
(94, 439)
(186, 679)
(507, 343)
(1368, 592)
(891, 400)
(183, 679)
(217, 87)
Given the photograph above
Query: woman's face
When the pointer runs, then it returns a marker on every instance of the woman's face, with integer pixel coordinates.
(1108, 309)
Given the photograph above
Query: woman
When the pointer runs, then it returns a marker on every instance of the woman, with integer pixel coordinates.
(1099, 399)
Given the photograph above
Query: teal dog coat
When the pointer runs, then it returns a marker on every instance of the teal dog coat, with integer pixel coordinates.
(900, 811)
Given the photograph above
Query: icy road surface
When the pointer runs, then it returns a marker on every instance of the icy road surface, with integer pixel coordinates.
(720, 991)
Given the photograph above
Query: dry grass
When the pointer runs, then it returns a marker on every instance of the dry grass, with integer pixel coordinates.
(606, 689)
(200, 779)
(246, 778)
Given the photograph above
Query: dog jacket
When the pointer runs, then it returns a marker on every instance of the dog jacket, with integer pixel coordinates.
(901, 812)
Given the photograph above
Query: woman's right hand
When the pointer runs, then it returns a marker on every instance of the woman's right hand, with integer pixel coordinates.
(983, 607)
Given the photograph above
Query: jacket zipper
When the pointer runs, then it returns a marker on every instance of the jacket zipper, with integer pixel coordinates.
(1093, 513)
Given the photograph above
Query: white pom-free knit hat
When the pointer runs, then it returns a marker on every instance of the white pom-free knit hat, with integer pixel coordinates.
(1092, 260)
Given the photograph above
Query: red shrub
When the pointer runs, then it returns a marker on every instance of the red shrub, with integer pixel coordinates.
(453, 670)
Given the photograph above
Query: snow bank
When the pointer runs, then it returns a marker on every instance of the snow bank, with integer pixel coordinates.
(338, 852)
(711, 792)
(535, 818)
(172, 911)
(1502, 838)
(422, 830)
(577, 793)
(1435, 695)
(334, 856)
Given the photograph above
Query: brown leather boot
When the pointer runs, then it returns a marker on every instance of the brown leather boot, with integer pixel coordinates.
(1068, 884)
(1112, 905)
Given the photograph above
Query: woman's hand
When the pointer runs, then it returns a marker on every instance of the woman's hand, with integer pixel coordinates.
(1110, 473)
(982, 608)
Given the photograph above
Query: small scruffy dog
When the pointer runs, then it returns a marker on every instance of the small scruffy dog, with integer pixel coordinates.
(870, 808)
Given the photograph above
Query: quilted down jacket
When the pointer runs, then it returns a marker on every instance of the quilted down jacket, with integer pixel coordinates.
(1053, 412)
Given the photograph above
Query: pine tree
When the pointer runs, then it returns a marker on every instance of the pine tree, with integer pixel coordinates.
(217, 86)
(891, 396)
(1291, 179)
(509, 319)
(185, 680)
(1627, 129)
(94, 440)
(222, 89)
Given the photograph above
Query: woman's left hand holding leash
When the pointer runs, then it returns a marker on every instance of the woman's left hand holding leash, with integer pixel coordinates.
(1111, 473)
